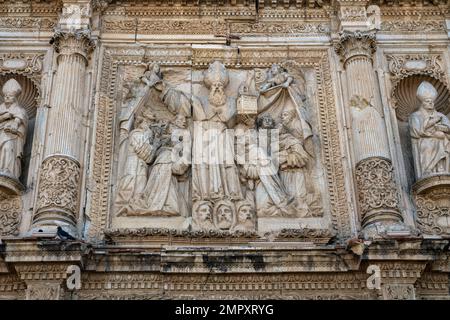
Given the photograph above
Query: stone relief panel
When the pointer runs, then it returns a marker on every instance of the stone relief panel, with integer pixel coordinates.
(150, 101)
(248, 152)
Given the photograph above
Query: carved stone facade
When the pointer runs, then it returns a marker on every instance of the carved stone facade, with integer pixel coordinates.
(248, 149)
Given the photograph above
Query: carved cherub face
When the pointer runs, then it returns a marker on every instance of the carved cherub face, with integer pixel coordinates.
(224, 216)
(204, 212)
(245, 214)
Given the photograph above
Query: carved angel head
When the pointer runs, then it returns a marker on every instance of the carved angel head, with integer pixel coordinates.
(224, 214)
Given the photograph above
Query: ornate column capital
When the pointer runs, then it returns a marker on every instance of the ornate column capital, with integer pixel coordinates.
(355, 43)
(73, 42)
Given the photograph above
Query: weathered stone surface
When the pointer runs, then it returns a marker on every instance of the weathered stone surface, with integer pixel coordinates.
(252, 152)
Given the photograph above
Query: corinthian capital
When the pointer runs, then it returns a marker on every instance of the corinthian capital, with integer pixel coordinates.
(73, 42)
(355, 43)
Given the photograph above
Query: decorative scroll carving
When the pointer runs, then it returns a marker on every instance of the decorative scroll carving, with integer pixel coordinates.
(399, 292)
(279, 28)
(433, 214)
(27, 23)
(377, 191)
(402, 66)
(10, 216)
(412, 26)
(43, 291)
(58, 188)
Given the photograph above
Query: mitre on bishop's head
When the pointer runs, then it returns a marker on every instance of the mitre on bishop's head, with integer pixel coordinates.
(12, 87)
(426, 91)
(216, 73)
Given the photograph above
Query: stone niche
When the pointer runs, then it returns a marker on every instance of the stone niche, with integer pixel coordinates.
(429, 190)
(283, 186)
(13, 182)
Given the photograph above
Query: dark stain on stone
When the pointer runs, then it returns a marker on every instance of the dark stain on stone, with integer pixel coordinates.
(225, 262)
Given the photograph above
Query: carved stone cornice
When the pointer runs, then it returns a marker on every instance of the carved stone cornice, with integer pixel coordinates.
(355, 44)
(73, 43)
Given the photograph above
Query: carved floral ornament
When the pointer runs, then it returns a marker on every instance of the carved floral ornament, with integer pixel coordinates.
(73, 42)
(376, 187)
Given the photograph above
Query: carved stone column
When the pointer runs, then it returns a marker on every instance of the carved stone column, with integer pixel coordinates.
(375, 182)
(60, 173)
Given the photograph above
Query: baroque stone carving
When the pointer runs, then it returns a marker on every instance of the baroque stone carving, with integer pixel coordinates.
(115, 57)
(13, 128)
(433, 211)
(73, 42)
(10, 216)
(58, 189)
(398, 292)
(430, 134)
(356, 43)
(377, 192)
(412, 26)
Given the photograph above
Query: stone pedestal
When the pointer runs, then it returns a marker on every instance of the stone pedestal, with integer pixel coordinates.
(432, 198)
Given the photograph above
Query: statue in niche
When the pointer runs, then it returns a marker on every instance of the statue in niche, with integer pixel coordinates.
(430, 134)
(214, 172)
(141, 152)
(245, 217)
(224, 215)
(202, 218)
(13, 128)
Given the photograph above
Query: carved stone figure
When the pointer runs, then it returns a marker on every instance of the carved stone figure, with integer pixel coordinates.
(224, 214)
(13, 128)
(141, 152)
(214, 172)
(272, 198)
(430, 134)
(202, 218)
(295, 163)
(245, 217)
(162, 195)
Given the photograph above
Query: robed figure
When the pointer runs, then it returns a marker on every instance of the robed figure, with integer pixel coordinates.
(430, 135)
(13, 128)
(214, 172)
